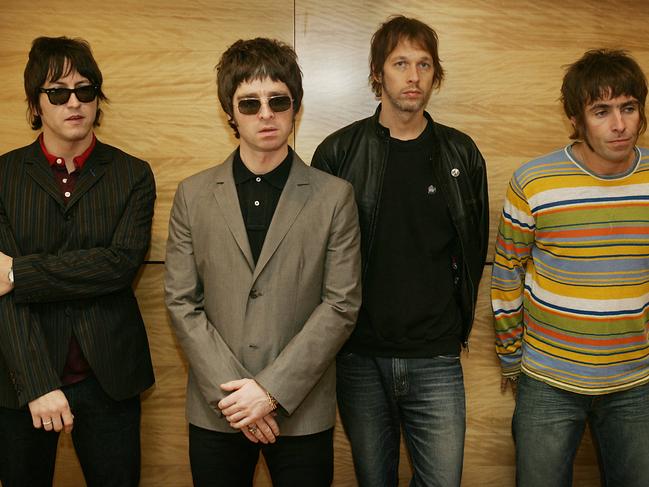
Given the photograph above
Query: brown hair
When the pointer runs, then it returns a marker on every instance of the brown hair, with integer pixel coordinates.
(247, 60)
(52, 58)
(601, 73)
(393, 31)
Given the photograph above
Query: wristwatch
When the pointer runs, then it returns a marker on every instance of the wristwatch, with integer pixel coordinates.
(10, 276)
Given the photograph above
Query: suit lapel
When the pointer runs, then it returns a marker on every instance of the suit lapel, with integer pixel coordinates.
(92, 172)
(226, 196)
(38, 169)
(290, 204)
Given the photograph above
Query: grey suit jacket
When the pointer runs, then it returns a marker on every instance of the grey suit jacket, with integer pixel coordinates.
(280, 322)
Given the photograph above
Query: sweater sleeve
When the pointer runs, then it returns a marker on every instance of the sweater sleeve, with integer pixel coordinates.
(514, 244)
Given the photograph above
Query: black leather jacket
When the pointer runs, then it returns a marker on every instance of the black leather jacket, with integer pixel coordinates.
(358, 153)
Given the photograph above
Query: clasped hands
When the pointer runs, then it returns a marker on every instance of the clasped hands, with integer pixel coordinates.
(247, 409)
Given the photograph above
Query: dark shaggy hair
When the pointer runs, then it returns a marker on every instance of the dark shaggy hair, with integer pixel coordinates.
(248, 60)
(52, 58)
(601, 73)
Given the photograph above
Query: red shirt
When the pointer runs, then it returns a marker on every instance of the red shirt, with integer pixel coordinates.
(76, 366)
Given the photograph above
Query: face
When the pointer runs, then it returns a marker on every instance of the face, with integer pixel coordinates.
(265, 132)
(71, 122)
(611, 131)
(407, 78)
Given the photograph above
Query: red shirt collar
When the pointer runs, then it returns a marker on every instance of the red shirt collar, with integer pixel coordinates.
(79, 161)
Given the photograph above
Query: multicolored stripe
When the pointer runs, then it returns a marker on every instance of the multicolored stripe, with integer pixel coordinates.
(570, 284)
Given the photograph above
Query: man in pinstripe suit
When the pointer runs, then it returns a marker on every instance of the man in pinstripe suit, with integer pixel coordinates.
(75, 224)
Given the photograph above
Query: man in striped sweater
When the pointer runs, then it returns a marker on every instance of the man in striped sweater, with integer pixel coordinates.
(570, 285)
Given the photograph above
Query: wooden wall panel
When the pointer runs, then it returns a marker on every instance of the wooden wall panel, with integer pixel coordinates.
(504, 66)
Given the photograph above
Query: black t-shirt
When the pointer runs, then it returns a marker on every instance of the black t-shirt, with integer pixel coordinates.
(409, 309)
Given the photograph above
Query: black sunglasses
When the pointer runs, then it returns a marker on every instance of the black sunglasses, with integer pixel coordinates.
(251, 106)
(60, 96)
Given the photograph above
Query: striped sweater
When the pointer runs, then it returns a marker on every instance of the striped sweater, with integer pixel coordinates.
(570, 284)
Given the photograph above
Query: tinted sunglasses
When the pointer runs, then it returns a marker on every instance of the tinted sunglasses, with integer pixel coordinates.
(60, 96)
(251, 106)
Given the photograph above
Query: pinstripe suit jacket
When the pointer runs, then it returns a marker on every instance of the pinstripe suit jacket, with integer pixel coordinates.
(74, 266)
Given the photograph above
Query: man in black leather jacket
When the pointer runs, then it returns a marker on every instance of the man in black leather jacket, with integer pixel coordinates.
(421, 190)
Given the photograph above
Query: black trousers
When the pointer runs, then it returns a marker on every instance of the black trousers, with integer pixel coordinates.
(229, 459)
(105, 434)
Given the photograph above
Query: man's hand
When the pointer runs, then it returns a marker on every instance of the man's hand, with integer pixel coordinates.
(52, 412)
(248, 405)
(265, 430)
(513, 383)
(6, 263)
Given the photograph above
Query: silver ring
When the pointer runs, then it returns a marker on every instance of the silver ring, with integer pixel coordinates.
(253, 429)
(45, 423)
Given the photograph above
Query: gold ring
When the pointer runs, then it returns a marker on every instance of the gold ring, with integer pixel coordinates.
(253, 429)
(45, 423)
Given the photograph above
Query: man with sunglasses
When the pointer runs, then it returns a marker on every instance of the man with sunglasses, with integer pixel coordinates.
(421, 189)
(75, 223)
(262, 284)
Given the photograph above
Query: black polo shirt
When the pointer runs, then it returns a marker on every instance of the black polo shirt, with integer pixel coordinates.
(258, 197)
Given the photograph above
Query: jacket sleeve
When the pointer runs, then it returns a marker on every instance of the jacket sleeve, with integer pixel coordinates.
(22, 343)
(322, 159)
(211, 360)
(480, 189)
(513, 252)
(87, 273)
(330, 323)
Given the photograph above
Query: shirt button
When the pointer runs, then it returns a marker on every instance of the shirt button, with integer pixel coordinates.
(256, 203)
(64, 180)
(67, 194)
(258, 179)
(59, 161)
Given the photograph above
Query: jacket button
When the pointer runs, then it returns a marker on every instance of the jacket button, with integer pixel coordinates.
(254, 294)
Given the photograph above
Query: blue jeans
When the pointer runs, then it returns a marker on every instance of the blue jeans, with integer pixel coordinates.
(377, 397)
(548, 425)
(106, 437)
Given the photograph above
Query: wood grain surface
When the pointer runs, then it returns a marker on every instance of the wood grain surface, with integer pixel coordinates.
(504, 63)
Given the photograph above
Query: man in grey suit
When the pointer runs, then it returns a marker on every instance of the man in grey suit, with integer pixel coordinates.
(263, 285)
